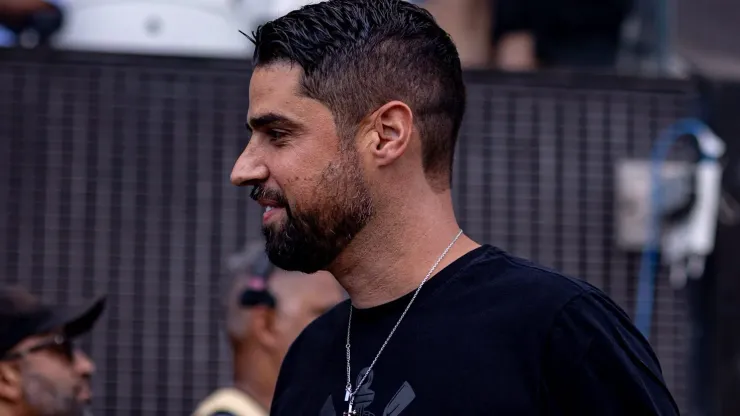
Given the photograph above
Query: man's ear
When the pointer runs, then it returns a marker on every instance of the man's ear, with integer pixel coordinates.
(392, 128)
(262, 324)
(10, 382)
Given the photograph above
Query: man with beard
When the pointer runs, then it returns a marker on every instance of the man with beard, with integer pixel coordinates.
(354, 108)
(42, 373)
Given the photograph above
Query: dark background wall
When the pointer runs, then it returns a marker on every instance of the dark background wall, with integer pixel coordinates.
(114, 179)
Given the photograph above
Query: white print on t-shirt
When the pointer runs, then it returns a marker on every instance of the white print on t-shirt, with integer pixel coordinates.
(365, 396)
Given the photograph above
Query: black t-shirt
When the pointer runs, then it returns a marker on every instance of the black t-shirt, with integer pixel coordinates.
(490, 334)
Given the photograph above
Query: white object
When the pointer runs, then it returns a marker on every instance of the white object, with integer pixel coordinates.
(278, 8)
(687, 244)
(170, 27)
(252, 13)
(634, 198)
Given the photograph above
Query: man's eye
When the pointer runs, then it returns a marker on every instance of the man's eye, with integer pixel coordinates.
(276, 134)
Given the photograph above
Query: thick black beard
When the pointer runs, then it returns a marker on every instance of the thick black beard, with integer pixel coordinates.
(307, 244)
(311, 239)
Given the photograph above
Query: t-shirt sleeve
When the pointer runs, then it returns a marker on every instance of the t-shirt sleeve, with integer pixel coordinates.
(597, 363)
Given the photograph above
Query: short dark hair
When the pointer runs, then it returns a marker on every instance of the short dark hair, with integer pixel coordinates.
(357, 55)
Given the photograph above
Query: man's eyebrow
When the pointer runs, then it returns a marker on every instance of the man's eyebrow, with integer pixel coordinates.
(269, 119)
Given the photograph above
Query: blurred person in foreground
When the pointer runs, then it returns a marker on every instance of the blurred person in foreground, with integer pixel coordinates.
(42, 373)
(354, 108)
(29, 22)
(266, 309)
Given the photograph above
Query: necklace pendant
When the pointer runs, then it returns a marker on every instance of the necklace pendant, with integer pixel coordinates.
(350, 412)
(346, 395)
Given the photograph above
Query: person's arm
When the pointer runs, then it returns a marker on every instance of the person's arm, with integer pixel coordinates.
(469, 24)
(516, 52)
(597, 363)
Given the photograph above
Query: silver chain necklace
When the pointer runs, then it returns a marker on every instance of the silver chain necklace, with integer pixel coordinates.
(349, 395)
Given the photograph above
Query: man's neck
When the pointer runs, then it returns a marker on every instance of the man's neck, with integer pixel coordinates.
(247, 379)
(393, 254)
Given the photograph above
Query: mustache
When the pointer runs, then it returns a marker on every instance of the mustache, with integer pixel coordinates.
(260, 192)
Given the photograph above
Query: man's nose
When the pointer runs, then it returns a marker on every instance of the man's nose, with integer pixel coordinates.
(249, 168)
(83, 364)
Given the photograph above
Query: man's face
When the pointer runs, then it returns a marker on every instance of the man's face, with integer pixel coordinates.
(309, 181)
(54, 380)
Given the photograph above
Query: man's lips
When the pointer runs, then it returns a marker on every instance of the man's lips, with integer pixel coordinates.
(269, 203)
(271, 208)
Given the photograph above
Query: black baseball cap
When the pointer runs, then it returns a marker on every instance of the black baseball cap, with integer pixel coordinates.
(23, 315)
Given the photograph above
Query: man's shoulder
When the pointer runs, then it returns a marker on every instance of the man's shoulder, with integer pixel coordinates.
(502, 291)
(498, 274)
